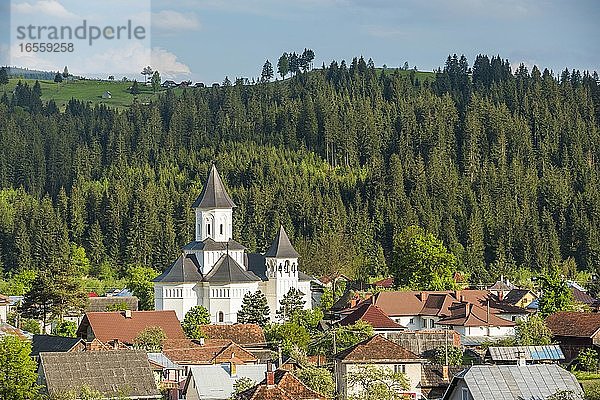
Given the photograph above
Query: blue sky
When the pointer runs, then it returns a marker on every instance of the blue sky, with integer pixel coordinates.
(205, 40)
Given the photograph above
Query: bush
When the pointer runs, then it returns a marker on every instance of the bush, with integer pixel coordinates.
(65, 328)
(588, 360)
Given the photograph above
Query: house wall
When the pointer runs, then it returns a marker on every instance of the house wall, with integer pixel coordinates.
(3, 313)
(412, 372)
(458, 390)
(494, 331)
(192, 392)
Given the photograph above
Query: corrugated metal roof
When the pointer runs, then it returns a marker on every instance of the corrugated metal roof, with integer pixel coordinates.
(163, 361)
(216, 382)
(511, 382)
(530, 353)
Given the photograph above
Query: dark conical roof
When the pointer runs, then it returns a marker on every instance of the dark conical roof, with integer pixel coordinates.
(185, 269)
(281, 247)
(227, 270)
(214, 194)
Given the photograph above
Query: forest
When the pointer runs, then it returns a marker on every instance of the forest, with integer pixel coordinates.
(500, 165)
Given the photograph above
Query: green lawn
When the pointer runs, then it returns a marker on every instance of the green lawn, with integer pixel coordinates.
(86, 90)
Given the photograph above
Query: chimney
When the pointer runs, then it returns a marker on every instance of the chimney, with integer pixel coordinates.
(232, 369)
(423, 296)
(445, 373)
(500, 295)
(201, 340)
(127, 313)
(270, 375)
(458, 295)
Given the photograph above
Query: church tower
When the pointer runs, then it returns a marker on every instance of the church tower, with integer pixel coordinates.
(281, 262)
(214, 210)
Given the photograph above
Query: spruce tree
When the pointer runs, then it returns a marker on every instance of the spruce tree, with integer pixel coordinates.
(291, 303)
(255, 309)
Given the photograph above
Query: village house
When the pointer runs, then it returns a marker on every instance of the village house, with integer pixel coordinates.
(435, 379)
(215, 271)
(381, 323)
(167, 375)
(112, 373)
(187, 353)
(250, 337)
(124, 326)
(381, 353)
(511, 382)
(519, 298)
(216, 382)
(574, 331)
(280, 385)
(55, 344)
(475, 313)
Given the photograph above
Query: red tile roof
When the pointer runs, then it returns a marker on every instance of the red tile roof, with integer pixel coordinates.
(574, 324)
(466, 314)
(115, 325)
(373, 315)
(242, 334)
(376, 349)
(287, 387)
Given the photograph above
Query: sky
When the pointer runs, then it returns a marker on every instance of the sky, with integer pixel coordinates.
(206, 40)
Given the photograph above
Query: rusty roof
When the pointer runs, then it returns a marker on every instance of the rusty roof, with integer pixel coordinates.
(287, 387)
(371, 314)
(242, 334)
(376, 349)
(188, 352)
(574, 324)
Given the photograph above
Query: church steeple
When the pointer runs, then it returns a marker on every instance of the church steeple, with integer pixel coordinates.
(214, 210)
(281, 246)
(214, 194)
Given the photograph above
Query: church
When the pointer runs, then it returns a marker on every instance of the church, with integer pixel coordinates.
(216, 272)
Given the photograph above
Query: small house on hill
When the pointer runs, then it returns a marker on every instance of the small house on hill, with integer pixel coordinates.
(574, 331)
(381, 353)
(512, 382)
(112, 373)
(124, 326)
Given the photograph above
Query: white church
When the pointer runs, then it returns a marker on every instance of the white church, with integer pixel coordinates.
(215, 271)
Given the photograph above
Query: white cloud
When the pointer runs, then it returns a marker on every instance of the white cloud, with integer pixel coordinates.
(168, 20)
(51, 8)
(168, 65)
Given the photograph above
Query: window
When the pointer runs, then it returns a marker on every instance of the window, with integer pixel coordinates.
(465, 394)
(400, 369)
(208, 229)
(220, 317)
(411, 321)
(221, 229)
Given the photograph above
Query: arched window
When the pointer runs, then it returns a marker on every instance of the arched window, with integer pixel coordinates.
(208, 229)
(287, 266)
(220, 316)
(221, 229)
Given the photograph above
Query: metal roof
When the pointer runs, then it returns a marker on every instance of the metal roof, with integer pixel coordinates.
(214, 194)
(281, 246)
(164, 361)
(513, 382)
(185, 269)
(530, 353)
(216, 382)
(227, 270)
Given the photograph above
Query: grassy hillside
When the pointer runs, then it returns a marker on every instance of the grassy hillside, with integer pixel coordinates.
(87, 90)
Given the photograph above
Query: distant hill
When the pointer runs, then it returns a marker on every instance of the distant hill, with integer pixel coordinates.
(26, 73)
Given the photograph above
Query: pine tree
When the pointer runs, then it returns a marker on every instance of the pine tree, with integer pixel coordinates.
(3, 76)
(283, 65)
(267, 71)
(291, 303)
(254, 310)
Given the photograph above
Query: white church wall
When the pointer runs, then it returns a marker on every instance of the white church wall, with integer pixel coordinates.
(227, 299)
(216, 224)
(178, 297)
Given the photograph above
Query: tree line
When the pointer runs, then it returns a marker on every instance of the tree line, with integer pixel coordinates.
(499, 165)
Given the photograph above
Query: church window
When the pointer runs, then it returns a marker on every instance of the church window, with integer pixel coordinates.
(287, 266)
(208, 229)
(221, 317)
(221, 229)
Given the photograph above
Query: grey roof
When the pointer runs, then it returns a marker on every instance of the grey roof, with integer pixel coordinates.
(227, 270)
(49, 343)
(281, 247)
(185, 269)
(164, 361)
(112, 373)
(216, 382)
(304, 277)
(100, 304)
(209, 244)
(513, 382)
(214, 194)
(530, 353)
(515, 295)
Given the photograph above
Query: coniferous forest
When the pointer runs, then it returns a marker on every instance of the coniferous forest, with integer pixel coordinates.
(502, 166)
